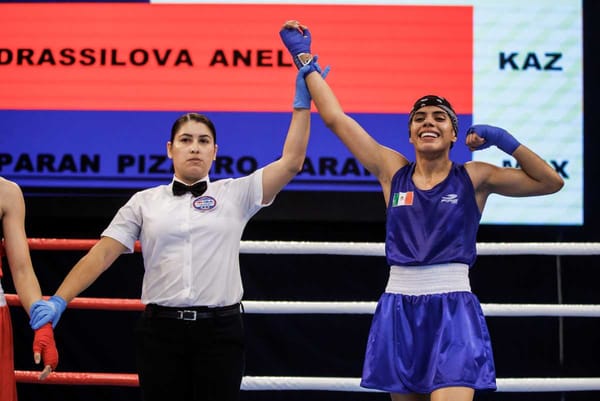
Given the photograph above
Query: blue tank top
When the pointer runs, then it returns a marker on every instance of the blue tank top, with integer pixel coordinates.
(432, 226)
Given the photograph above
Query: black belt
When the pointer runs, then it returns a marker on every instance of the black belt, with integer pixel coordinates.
(190, 313)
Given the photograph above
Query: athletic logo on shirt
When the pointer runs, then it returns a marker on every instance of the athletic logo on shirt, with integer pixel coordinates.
(450, 198)
(402, 199)
(204, 203)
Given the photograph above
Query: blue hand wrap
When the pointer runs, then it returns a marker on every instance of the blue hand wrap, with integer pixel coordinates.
(313, 66)
(297, 42)
(42, 312)
(495, 136)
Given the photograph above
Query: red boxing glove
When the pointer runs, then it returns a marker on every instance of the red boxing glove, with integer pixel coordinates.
(44, 346)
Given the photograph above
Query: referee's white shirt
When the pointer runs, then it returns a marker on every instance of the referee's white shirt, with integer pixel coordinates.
(190, 245)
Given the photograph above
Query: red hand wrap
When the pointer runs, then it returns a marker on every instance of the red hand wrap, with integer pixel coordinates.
(43, 342)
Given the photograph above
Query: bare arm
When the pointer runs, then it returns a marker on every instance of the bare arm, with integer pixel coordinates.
(15, 243)
(277, 174)
(380, 160)
(90, 267)
(12, 213)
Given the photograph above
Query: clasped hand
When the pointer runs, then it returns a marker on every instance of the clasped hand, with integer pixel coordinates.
(42, 312)
(302, 97)
(297, 40)
(44, 349)
(44, 315)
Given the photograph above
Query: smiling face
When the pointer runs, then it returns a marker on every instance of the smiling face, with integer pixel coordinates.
(193, 150)
(431, 127)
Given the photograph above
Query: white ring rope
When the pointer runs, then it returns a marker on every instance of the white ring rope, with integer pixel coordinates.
(350, 384)
(556, 384)
(514, 310)
(378, 249)
(549, 384)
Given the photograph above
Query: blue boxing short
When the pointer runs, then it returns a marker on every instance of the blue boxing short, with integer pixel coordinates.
(421, 343)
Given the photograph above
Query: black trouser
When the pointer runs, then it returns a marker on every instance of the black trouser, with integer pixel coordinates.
(185, 360)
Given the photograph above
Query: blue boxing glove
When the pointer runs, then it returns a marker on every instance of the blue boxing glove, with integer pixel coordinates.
(302, 97)
(42, 312)
(297, 41)
(495, 136)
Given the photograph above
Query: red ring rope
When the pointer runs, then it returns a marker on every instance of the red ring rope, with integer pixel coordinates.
(65, 244)
(118, 304)
(98, 379)
(117, 379)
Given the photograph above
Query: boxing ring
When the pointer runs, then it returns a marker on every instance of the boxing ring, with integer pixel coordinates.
(343, 384)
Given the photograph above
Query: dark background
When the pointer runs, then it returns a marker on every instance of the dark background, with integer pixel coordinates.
(330, 345)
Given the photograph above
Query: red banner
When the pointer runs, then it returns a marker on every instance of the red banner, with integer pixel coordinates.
(118, 56)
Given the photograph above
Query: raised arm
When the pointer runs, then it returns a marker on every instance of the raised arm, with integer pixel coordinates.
(534, 177)
(277, 174)
(380, 160)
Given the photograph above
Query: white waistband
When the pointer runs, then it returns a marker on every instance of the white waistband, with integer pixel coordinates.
(430, 279)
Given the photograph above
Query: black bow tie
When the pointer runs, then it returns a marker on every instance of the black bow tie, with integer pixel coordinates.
(197, 189)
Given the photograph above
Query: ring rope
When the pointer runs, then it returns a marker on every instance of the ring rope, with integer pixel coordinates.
(304, 307)
(350, 384)
(349, 248)
(271, 307)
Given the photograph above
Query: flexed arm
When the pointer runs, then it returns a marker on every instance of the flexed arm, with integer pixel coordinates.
(534, 177)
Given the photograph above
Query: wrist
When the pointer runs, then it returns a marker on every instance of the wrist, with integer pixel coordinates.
(302, 59)
(44, 328)
(310, 67)
(60, 301)
(305, 58)
(508, 143)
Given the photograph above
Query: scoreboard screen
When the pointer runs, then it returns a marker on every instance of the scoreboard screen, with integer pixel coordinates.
(89, 90)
